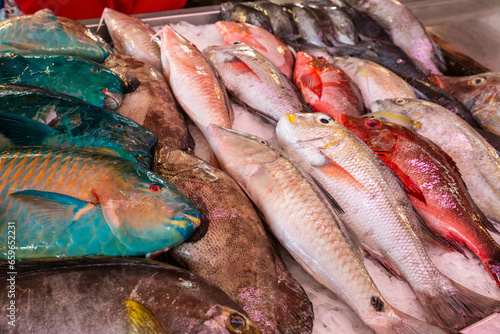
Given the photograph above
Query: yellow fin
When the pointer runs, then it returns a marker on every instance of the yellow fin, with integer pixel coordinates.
(141, 320)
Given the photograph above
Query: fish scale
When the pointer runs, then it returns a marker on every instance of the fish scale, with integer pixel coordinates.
(73, 202)
(302, 220)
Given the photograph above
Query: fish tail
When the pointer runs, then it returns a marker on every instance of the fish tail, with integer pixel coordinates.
(493, 267)
(402, 323)
(454, 307)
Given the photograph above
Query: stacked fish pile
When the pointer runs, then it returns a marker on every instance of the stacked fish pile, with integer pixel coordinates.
(330, 186)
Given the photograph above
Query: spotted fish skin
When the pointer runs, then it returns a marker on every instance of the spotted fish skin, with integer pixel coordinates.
(44, 32)
(74, 202)
(80, 78)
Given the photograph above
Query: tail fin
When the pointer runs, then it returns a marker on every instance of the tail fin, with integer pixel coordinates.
(454, 307)
(493, 267)
(402, 323)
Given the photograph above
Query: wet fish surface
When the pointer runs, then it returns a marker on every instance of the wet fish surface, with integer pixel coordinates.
(240, 12)
(128, 296)
(92, 127)
(152, 104)
(83, 79)
(231, 249)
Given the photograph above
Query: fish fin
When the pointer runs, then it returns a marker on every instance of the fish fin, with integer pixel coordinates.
(53, 210)
(410, 187)
(333, 169)
(44, 16)
(295, 313)
(267, 186)
(237, 65)
(141, 319)
(312, 81)
(23, 131)
(453, 306)
(335, 205)
(383, 262)
(13, 65)
(450, 161)
(254, 43)
(493, 267)
(22, 46)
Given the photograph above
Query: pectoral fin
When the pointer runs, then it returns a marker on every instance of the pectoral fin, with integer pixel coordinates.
(141, 319)
(262, 181)
(236, 65)
(52, 210)
(23, 131)
(312, 81)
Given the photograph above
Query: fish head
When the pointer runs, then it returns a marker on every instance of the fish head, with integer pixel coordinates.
(102, 128)
(240, 152)
(475, 91)
(220, 319)
(173, 48)
(146, 212)
(380, 136)
(409, 111)
(116, 21)
(232, 31)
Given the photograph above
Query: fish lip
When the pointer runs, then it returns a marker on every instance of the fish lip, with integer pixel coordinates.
(112, 100)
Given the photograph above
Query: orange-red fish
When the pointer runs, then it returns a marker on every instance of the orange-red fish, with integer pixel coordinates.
(435, 187)
(261, 40)
(326, 88)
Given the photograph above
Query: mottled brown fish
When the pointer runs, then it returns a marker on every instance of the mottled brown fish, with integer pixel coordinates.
(152, 104)
(232, 250)
(116, 295)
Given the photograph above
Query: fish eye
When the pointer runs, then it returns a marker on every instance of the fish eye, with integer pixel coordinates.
(400, 101)
(154, 188)
(477, 81)
(321, 57)
(324, 119)
(188, 150)
(237, 21)
(119, 126)
(236, 43)
(373, 123)
(237, 322)
(263, 142)
(95, 70)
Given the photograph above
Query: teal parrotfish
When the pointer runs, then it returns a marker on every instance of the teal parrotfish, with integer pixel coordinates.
(72, 202)
(44, 32)
(80, 78)
(81, 124)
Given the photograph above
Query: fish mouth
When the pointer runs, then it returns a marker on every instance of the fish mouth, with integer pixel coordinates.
(112, 100)
(195, 221)
(143, 159)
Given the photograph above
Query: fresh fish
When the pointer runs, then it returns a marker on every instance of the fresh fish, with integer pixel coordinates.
(231, 233)
(193, 81)
(326, 88)
(281, 19)
(479, 93)
(477, 161)
(435, 94)
(377, 209)
(344, 30)
(308, 24)
(405, 31)
(366, 27)
(92, 127)
(43, 32)
(326, 24)
(254, 80)
(73, 202)
(152, 104)
(118, 295)
(435, 187)
(385, 54)
(259, 39)
(240, 12)
(83, 79)
(374, 81)
(131, 36)
(303, 221)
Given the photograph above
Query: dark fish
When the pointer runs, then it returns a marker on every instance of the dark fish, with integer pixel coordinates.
(326, 25)
(152, 104)
(117, 295)
(80, 78)
(383, 53)
(308, 24)
(232, 12)
(93, 126)
(281, 19)
(366, 27)
(440, 96)
(231, 233)
(344, 30)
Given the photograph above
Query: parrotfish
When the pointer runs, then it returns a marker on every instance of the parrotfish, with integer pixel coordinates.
(80, 123)
(44, 32)
(73, 76)
(118, 295)
(73, 202)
